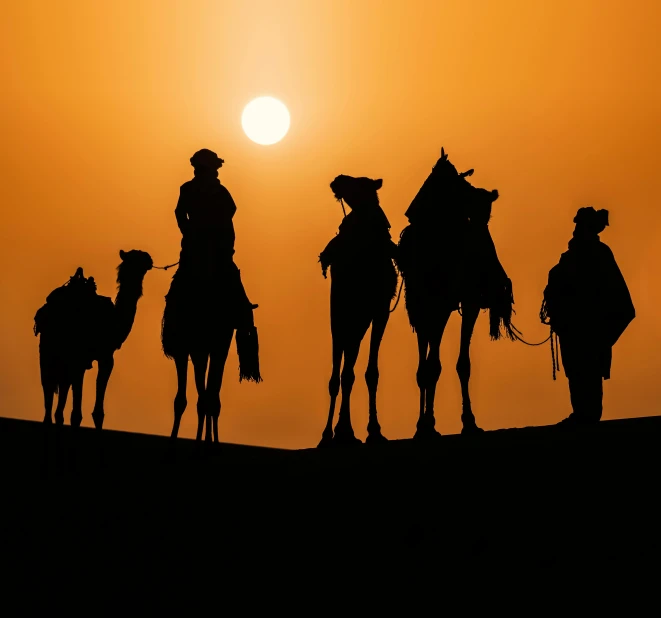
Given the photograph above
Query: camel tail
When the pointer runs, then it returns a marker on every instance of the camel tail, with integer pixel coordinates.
(51, 372)
(247, 347)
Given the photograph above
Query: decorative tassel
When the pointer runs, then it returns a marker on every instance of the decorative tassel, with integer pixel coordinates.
(500, 314)
(247, 347)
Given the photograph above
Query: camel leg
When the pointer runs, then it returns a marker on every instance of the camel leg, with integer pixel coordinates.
(430, 376)
(468, 319)
(215, 382)
(106, 365)
(77, 392)
(49, 386)
(200, 362)
(333, 390)
(372, 376)
(62, 394)
(343, 430)
(423, 347)
(180, 401)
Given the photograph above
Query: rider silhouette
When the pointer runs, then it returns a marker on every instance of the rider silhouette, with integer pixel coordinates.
(588, 304)
(204, 214)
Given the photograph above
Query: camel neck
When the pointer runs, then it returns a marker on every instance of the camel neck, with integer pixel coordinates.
(126, 304)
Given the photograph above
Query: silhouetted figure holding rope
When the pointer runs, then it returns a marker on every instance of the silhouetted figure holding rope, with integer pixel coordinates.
(588, 305)
(207, 302)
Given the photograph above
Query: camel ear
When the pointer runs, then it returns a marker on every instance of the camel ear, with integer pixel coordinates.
(378, 183)
(122, 254)
(443, 155)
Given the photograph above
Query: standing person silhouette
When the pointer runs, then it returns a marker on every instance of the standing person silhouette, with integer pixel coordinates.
(589, 307)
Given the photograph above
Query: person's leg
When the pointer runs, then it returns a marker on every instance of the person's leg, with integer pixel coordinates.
(578, 394)
(594, 398)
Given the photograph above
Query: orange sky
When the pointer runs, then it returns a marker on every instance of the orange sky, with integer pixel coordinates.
(555, 104)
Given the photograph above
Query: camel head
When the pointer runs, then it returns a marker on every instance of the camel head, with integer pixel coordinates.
(446, 195)
(479, 202)
(356, 192)
(134, 266)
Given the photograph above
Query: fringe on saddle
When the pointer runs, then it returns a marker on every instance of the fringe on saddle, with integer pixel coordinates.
(247, 347)
(500, 312)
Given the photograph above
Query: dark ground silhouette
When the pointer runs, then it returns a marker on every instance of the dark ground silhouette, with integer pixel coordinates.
(363, 282)
(108, 515)
(449, 263)
(207, 302)
(588, 305)
(77, 326)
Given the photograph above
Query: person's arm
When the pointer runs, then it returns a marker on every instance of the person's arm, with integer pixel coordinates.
(620, 309)
(228, 202)
(181, 212)
(624, 311)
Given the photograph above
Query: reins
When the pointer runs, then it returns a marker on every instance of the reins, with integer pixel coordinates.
(553, 338)
(165, 267)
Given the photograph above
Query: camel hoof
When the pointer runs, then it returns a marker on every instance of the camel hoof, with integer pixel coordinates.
(59, 419)
(98, 419)
(47, 420)
(346, 439)
(326, 440)
(426, 434)
(376, 438)
(471, 430)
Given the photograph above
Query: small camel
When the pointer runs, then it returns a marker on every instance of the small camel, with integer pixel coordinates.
(363, 283)
(449, 263)
(78, 326)
(200, 317)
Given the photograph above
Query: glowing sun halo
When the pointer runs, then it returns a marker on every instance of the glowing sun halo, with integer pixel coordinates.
(265, 120)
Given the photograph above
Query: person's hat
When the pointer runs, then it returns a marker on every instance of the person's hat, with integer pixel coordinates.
(597, 220)
(206, 158)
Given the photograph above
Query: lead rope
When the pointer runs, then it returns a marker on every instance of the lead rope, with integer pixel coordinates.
(555, 351)
(553, 338)
(165, 267)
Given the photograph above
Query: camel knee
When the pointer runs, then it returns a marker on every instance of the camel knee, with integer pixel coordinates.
(212, 406)
(180, 403)
(372, 377)
(421, 376)
(334, 385)
(348, 378)
(201, 405)
(433, 370)
(464, 368)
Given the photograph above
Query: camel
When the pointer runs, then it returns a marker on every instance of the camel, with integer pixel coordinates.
(449, 263)
(200, 317)
(363, 283)
(78, 326)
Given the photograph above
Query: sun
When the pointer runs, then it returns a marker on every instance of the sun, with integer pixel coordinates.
(265, 120)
